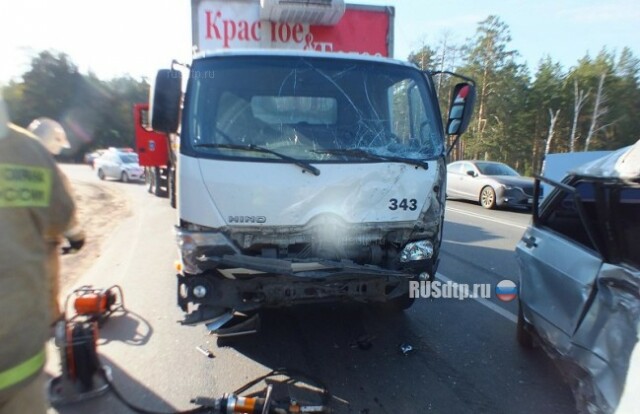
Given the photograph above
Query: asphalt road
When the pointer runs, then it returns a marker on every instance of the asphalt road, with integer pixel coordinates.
(464, 359)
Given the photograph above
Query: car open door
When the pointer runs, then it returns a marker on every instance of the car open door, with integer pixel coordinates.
(560, 260)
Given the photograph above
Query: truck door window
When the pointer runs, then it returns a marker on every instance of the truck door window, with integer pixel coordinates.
(144, 120)
(407, 113)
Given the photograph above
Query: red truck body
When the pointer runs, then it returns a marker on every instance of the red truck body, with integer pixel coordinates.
(151, 146)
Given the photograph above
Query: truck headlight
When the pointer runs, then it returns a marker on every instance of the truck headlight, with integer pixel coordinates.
(419, 250)
(190, 241)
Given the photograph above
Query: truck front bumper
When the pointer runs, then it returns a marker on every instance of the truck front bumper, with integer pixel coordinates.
(245, 284)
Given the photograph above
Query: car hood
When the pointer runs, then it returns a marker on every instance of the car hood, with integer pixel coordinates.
(512, 181)
(623, 164)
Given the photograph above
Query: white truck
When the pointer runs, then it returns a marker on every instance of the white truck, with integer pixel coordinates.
(311, 166)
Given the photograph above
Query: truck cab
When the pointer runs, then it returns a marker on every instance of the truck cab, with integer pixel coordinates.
(303, 177)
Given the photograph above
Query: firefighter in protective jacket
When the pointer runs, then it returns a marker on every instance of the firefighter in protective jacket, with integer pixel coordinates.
(34, 204)
(53, 137)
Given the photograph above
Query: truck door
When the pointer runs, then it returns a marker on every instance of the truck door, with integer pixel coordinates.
(151, 146)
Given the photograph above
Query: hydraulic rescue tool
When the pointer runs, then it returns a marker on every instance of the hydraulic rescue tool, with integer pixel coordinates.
(76, 337)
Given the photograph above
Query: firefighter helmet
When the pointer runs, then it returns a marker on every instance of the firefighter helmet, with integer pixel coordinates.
(51, 134)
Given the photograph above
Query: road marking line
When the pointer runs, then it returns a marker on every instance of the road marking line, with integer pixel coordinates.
(506, 223)
(497, 309)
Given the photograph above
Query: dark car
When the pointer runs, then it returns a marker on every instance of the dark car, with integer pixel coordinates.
(492, 184)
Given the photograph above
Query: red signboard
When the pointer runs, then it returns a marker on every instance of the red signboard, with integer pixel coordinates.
(237, 25)
(358, 31)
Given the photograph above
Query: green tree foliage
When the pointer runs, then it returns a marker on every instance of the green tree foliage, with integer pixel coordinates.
(94, 113)
(502, 87)
(512, 114)
(547, 92)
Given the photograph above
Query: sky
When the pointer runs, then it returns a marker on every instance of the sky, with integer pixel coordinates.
(136, 37)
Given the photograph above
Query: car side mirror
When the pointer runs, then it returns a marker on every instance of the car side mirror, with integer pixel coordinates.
(471, 173)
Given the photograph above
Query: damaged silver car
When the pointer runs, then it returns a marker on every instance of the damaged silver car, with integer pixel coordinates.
(579, 285)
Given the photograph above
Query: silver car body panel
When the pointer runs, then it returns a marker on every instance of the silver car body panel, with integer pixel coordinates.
(586, 311)
(623, 164)
(557, 278)
(557, 166)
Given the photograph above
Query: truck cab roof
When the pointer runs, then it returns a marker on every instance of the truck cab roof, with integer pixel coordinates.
(301, 53)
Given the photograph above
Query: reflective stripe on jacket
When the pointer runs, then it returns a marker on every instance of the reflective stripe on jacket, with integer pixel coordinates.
(22, 371)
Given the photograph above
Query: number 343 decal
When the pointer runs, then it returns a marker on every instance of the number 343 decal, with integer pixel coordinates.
(411, 204)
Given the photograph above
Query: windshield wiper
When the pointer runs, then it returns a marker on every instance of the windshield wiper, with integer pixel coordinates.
(371, 156)
(255, 148)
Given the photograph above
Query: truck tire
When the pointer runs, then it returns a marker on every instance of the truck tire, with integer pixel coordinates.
(171, 187)
(157, 189)
(148, 180)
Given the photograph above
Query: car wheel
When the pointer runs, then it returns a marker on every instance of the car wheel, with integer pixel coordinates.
(124, 177)
(100, 174)
(523, 330)
(488, 198)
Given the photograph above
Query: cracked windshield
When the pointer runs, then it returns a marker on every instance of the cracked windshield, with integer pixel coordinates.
(311, 109)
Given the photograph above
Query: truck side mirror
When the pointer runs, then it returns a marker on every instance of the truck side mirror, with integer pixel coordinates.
(461, 108)
(164, 102)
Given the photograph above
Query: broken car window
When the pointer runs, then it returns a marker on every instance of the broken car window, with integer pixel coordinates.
(563, 217)
(626, 217)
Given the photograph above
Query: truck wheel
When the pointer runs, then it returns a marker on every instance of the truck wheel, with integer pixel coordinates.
(157, 190)
(171, 187)
(148, 180)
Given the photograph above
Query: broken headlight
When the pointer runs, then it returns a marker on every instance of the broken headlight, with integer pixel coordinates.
(419, 250)
(195, 243)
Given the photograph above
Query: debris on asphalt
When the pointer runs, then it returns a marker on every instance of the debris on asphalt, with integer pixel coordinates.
(405, 349)
(205, 352)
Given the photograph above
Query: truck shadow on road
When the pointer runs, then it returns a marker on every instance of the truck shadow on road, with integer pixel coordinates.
(377, 361)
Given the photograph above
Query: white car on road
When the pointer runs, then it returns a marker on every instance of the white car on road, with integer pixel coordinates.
(118, 165)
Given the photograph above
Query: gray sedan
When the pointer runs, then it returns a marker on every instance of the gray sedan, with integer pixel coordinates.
(489, 183)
